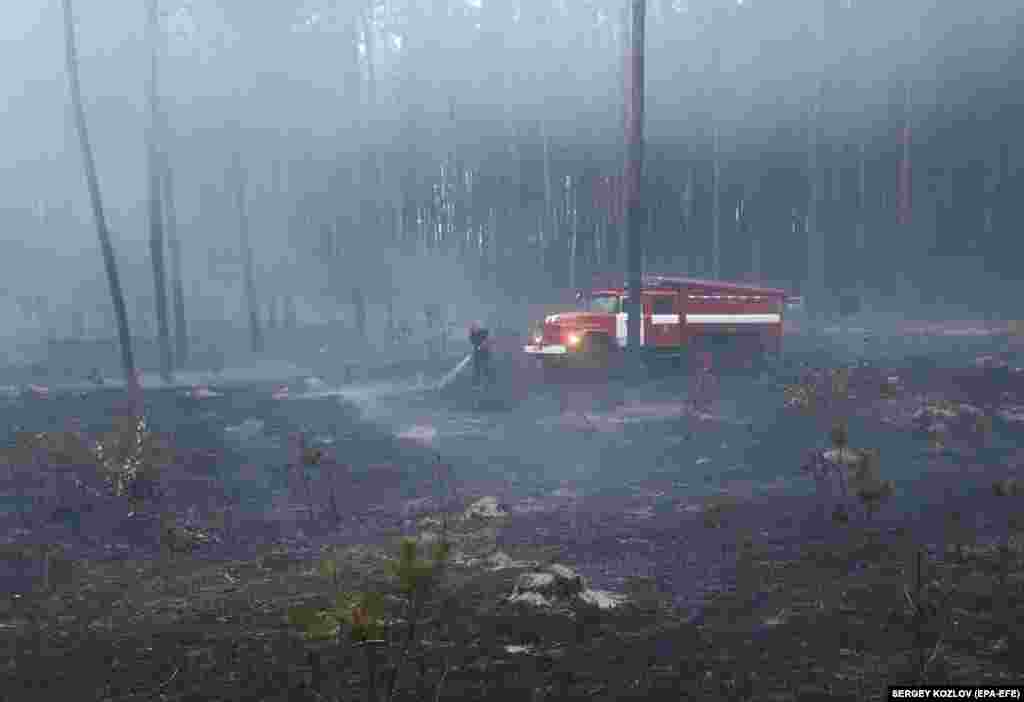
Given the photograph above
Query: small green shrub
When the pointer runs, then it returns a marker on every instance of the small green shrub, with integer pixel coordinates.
(868, 485)
(362, 614)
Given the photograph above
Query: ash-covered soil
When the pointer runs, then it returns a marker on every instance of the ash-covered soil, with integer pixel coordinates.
(644, 494)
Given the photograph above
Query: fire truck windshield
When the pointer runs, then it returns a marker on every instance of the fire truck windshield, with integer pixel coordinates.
(607, 304)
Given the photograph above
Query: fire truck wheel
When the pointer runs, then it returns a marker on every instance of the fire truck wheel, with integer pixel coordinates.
(597, 344)
(550, 364)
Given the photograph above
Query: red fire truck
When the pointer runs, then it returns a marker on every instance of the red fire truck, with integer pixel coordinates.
(681, 316)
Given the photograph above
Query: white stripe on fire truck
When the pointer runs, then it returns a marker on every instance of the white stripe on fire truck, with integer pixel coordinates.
(746, 298)
(664, 319)
(733, 319)
(556, 349)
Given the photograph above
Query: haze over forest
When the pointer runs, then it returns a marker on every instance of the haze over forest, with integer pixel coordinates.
(453, 149)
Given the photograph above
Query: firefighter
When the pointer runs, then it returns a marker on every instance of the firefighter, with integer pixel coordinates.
(704, 383)
(481, 354)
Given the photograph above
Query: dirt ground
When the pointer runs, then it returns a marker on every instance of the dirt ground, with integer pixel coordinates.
(741, 580)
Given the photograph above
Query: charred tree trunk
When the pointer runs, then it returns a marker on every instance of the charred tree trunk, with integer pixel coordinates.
(255, 330)
(815, 238)
(904, 176)
(92, 182)
(177, 289)
(716, 207)
(548, 221)
(371, 215)
(173, 241)
(861, 224)
(687, 218)
(574, 219)
(755, 260)
(156, 224)
(634, 172)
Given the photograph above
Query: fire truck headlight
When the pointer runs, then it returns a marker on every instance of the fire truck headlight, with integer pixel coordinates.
(574, 339)
(537, 339)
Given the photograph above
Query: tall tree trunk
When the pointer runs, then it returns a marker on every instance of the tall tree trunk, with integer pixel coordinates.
(170, 217)
(904, 183)
(255, 330)
(92, 182)
(453, 184)
(755, 259)
(371, 216)
(688, 203)
(716, 207)
(547, 230)
(716, 162)
(177, 289)
(574, 219)
(815, 238)
(634, 172)
(862, 209)
(156, 224)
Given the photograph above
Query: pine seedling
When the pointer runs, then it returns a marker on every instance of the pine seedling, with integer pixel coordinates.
(1009, 487)
(299, 488)
(840, 435)
(418, 578)
(840, 438)
(936, 437)
(923, 607)
(714, 515)
(868, 485)
(328, 567)
(363, 615)
(840, 383)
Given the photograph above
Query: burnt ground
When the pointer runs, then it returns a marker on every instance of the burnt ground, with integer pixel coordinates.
(741, 585)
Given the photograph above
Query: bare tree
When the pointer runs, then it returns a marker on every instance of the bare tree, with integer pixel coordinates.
(904, 175)
(634, 172)
(174, 246)
(156, 224)
(716, 206)
(861, 223)
(815, 238)
(92, 182)
(547, 222)
(255, 330)
(574, 220)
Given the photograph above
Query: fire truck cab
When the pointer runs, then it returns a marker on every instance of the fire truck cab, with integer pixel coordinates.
(681, 316)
